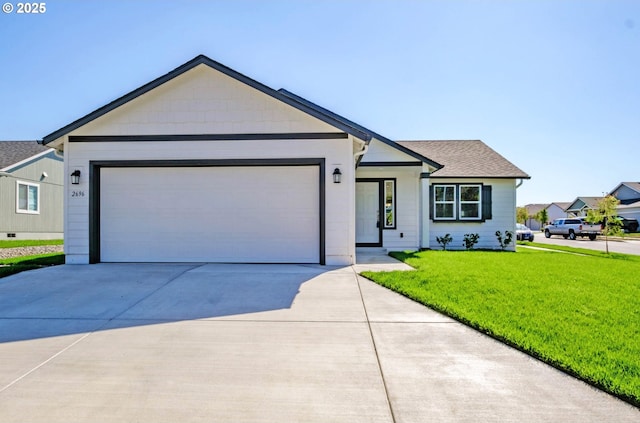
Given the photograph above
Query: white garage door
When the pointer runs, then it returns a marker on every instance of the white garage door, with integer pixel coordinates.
(253, 214)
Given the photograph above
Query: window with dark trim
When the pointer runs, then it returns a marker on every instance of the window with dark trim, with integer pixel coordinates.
(470, 204)
(460, 202)
(444, 202)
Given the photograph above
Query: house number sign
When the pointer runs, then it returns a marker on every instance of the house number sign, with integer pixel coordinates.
(76, 193)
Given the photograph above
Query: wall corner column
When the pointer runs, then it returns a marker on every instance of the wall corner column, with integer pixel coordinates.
(425, 224)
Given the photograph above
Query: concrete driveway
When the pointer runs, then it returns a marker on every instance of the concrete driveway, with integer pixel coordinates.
(259, 343)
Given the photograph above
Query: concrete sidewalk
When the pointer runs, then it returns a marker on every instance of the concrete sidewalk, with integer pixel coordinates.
(259, 343)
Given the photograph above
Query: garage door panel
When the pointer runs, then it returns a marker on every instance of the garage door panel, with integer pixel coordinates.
(225, 214)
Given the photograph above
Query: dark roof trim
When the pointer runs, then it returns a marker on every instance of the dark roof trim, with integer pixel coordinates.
(373, 134)
(392, 164)
(210, 137)
(201, 59)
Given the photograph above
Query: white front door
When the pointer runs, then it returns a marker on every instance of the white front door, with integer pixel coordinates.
(368, 231)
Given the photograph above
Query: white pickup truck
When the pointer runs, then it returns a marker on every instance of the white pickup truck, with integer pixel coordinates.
(572, 227)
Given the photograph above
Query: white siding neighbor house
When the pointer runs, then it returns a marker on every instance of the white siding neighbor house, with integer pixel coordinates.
(207, 165)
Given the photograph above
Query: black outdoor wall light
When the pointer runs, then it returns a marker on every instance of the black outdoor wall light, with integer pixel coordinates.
(337, 176)
(75, 177)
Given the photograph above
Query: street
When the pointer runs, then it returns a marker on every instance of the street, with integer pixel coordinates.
(628, 246)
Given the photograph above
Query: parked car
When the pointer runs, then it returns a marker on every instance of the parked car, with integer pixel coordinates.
(572, 227)
(523, 233)
(628, 225)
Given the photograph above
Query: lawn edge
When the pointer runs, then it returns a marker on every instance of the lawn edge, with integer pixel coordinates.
(20, 266)
(553, 363)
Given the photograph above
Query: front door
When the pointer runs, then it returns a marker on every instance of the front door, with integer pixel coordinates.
(368, 227)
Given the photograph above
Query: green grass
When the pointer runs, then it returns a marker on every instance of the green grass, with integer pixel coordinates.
(15, 265)
(578, 313)
(582, 251)
(29, 242)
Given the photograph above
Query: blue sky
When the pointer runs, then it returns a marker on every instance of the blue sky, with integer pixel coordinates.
(554, 86)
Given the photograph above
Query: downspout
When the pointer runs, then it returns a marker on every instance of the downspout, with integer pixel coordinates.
(518, 185)
(365, 148)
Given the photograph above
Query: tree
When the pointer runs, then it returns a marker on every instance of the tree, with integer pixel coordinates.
(543, 217)
(521, 215)
(607, 215)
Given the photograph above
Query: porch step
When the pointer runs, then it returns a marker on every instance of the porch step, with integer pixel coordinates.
(371, 250)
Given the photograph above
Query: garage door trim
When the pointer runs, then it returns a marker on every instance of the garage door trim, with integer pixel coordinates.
(97, 165)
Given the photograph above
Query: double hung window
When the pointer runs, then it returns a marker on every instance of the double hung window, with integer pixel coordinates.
(457, 202)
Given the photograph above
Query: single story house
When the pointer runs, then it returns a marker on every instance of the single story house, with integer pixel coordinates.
(555, 210)
(581, 206)
(629, 195)
(31, 191)
(205, 164)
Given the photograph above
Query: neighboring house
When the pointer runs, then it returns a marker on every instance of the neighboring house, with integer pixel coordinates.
(207, 165)
(581, 206)
(31, 191)
(532, 211)
(555, 210)
(629, 195)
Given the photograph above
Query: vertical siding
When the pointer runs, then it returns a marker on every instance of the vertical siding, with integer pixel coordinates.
(49, 222)
(503, 217)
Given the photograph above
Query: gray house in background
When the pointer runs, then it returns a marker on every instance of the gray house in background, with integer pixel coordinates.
(31, 191)
(629, 195)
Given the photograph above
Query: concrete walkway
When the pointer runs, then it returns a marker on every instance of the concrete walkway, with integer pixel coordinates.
(259, 343)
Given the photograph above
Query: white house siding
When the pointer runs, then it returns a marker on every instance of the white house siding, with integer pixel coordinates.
(406, 236)
(338, 196)
(632, 211)
(204, 101)
(380, 152)
(503, 219)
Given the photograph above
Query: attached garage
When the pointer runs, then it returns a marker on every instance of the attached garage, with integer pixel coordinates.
(206, 165)
(257, 211)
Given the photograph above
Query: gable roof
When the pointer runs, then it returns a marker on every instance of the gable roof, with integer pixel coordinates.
(12, 152)
(282, 95)
(375, 135)
(562, 205)
(465, 159)
(533, 209)
(635, 186)
(589, 202)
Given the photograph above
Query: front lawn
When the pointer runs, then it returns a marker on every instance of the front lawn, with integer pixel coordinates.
(19, 264)
(14, 243)
(11, 266)
(578, 313)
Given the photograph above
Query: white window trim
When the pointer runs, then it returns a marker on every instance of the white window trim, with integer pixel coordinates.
(28, 184)
(454, 202)
(479, 202)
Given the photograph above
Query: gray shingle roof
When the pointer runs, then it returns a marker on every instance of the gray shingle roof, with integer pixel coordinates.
(590, 202)
(465, 159)
(12, 152)
(532, 209)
